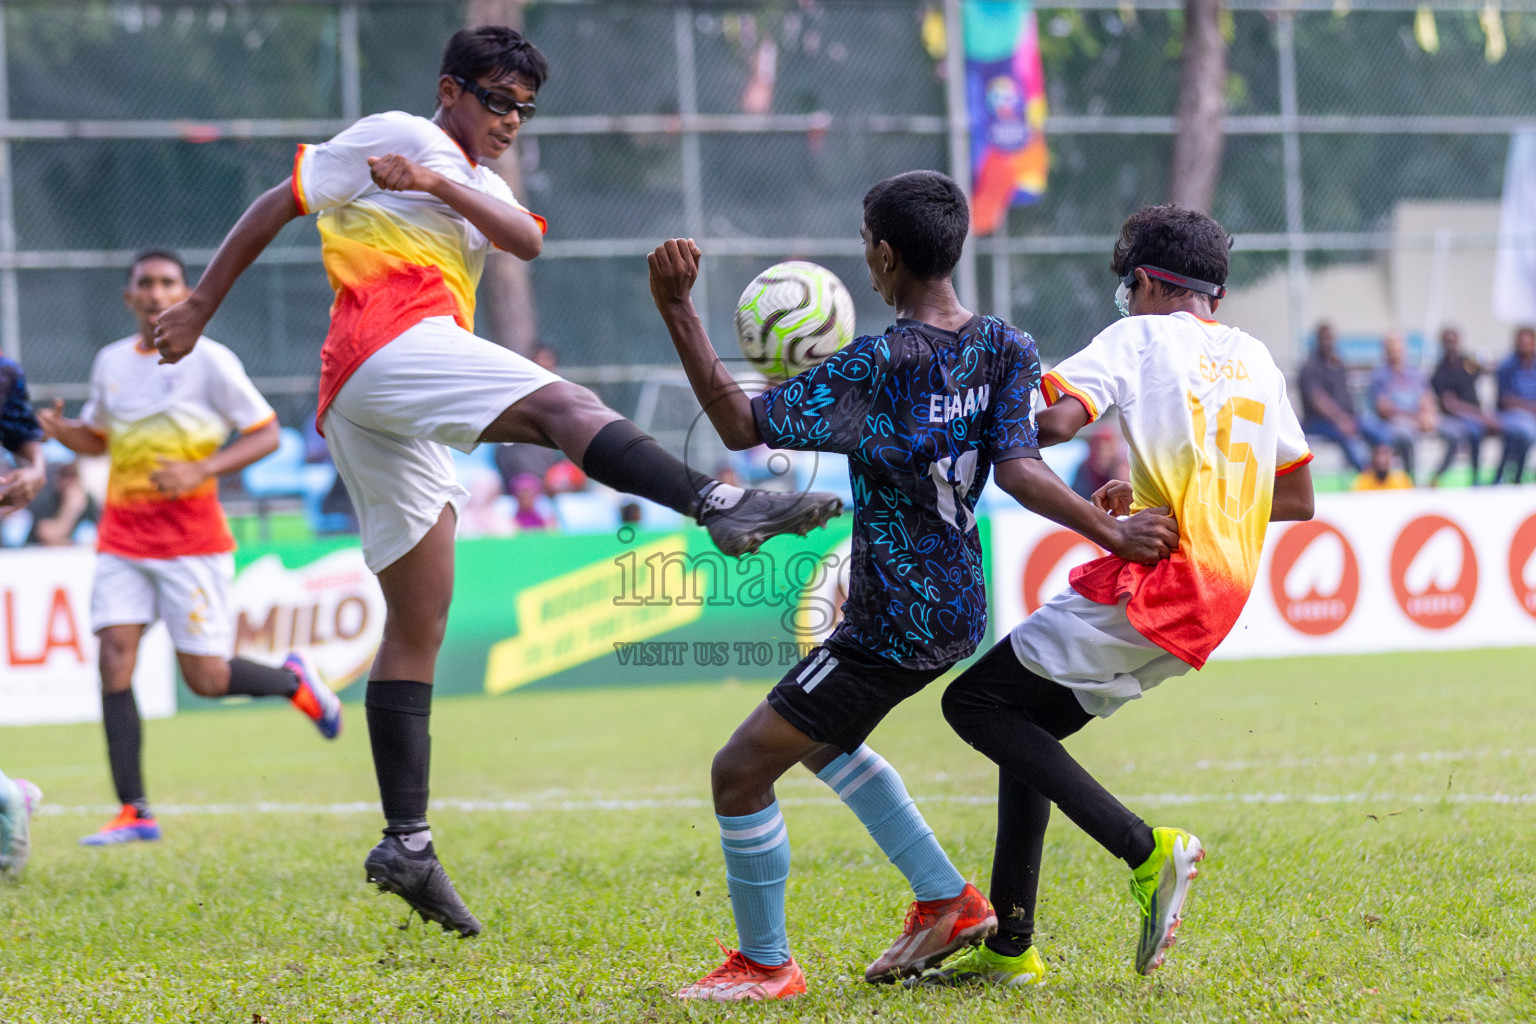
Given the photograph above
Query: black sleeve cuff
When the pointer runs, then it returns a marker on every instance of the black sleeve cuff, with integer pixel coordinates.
(1016, 453)
(760, 416)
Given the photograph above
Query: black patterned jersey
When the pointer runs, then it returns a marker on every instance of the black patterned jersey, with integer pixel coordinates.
(922, 414)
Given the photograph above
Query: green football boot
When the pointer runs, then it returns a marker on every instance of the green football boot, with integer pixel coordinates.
(1160, 887)
(980, 966)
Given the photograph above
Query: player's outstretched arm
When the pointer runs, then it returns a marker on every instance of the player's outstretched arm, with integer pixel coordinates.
(175, 477)
(674, 268)
(181, 325)
(1061, 422)
(20, 485)
(1293, 496)
(509, 228)
(1146, 537)
(76, 435)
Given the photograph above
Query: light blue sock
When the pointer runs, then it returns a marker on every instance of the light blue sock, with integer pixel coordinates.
(873, 791)
(8, 791)
(756, 868)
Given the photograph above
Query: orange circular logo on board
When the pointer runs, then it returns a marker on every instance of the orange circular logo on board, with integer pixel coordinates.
(1314, 578)
(1522, 565)
(1434, 572)
(1048, 555)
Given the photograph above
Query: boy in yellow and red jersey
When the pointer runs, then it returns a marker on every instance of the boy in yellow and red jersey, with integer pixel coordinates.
(407, 212)
(163, 547)
(1212, 436)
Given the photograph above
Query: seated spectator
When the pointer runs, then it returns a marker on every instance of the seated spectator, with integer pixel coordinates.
(1326, 406)
(1106, 461)
(1517, 404)
(1380, 474)
(1399, 405)
(630, 513)
(1465, 422)
(533, 511)
(513, 460)
(60, 507)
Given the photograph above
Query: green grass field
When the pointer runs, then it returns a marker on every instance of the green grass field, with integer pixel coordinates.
(1370, 823)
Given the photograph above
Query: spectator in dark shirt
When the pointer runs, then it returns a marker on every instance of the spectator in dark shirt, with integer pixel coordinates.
(1399, 404)
(1465, 422)
(1327, 409)
(61, 507)
(22, 437)
(1517, 404)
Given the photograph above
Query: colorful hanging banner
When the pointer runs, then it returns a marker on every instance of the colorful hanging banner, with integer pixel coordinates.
(1005, 94)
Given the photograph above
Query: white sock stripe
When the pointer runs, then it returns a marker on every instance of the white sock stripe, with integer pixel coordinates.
(855, 759)
(879, 766)
(779, 838)
(821, 656)
(753, 832)
(819, 676)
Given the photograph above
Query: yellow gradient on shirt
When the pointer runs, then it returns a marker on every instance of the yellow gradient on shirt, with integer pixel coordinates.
(137, 449)
(362, 245)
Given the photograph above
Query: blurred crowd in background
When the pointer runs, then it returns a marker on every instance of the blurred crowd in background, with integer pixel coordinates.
(1373, 426)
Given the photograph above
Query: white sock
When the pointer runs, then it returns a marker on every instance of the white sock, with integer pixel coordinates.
(722, 496)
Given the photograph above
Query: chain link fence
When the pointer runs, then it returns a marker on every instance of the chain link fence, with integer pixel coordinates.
(1361, 157)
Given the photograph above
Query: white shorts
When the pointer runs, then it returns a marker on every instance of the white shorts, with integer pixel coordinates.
(1093, 649)
(190, 594)
(432, 386)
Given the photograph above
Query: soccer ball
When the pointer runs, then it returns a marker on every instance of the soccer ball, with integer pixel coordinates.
(791, 317)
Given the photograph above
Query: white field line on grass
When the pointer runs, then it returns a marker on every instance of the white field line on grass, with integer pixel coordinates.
(600, 804)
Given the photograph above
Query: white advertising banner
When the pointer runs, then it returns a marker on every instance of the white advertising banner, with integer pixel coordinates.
(48, 652)
(1382, 571)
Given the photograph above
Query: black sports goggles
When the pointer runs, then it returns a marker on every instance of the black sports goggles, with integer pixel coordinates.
(1215, 291)
(497, 103)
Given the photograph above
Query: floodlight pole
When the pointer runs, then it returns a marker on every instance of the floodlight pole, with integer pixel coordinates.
(1295, 225)
(693, 166)
(959, 138)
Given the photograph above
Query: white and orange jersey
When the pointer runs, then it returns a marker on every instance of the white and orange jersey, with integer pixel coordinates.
(393, 258)
(1204, 410)
(151, 412)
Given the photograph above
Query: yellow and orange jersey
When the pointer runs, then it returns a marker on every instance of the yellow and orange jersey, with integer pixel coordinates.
(152, 413)
(393, 258)
(1204, 410)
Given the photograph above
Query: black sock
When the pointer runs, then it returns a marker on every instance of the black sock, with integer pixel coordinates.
(1010, 943)
(252, 680)
(1139, 844)
(120, 717)
(399, 713)
(624, 457)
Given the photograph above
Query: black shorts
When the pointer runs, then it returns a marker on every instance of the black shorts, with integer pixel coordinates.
(839, 693)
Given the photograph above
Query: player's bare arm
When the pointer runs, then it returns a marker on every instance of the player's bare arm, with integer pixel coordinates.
(1293, 496)
(1061, 421)
(20, 485)
(508, 228)
(176, 476)
(181, 325)
(1146, 537)
(79, 437)
(674, 267)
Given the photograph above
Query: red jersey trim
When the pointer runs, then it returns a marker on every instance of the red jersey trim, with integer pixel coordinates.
(1055, 387)
(297, 182)
(1294, 465)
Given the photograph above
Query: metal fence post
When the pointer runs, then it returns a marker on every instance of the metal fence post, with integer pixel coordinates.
(1296, 267)
(693, 185)
(349, 65)
(959, 137)
(10, 310)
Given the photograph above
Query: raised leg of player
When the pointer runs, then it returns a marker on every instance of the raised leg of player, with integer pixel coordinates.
(1018, 719)
(615, 452)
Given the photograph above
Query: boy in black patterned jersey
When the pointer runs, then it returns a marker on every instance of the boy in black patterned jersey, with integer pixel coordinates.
(923, 413)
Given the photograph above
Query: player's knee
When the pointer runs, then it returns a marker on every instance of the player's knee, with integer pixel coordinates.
(958, 704)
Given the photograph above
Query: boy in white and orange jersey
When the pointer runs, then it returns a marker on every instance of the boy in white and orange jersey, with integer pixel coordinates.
(1212, 435)
(407, 212)
(163, 547)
